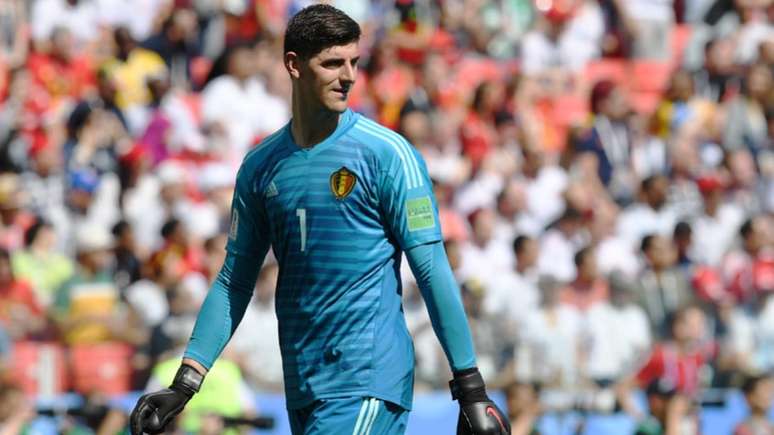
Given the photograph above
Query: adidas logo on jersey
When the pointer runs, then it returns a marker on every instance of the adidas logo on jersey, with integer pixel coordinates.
(271, 190)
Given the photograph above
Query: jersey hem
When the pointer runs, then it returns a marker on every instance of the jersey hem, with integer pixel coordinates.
(293, 405)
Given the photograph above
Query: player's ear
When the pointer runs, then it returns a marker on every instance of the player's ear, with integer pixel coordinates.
(293, 64)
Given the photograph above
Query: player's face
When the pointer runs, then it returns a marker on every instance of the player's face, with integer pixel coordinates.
(331, 75)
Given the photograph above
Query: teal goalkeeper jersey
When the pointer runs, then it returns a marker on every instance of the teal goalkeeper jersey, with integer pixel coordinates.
(337, 216)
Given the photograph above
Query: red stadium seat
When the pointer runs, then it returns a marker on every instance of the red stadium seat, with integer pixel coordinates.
(605, 69)
(39, 368)
(570, 110)
(649, 76)
(681, 35)
(644, 102)
(103, 368)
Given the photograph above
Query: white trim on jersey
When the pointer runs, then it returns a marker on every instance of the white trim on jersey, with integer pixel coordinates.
(401, 146)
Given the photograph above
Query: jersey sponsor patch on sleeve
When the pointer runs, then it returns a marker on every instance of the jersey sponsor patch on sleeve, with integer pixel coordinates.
(419, 212)
(233, 231)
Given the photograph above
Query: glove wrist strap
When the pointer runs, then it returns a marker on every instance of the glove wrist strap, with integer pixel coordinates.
(187, 380)
(468, 387)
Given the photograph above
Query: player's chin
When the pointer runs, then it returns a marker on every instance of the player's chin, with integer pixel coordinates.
(338, 105)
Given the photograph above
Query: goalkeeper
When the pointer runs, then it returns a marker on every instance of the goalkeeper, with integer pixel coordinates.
(338, 198)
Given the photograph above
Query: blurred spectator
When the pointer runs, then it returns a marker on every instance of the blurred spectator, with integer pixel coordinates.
(661, 287)
(489, 350)
(177, 44)
(21, 314)
(40, 263)
(669, 412)
(679, 362)
(559, 244)
(130, 67)
(88, 307)
(16, 411)
(716, 226)
(79, 17)
(61, 71)
(14, 219)
(567, 36)
(514, 295)
(747, 269)
(236, 103)
(477, 133)
(523, 406)
(127, 264)
(482, 254)
(650, 214)
(654, 19)
(588, 288)
(759, 393)
(718, 79)
(609, 140)
(682, 238)
(549, 346)
(746, 125)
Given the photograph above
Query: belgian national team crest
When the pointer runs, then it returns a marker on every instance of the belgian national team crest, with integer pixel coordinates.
(342, 182)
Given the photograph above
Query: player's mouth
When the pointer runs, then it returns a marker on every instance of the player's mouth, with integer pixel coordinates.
(342, 93)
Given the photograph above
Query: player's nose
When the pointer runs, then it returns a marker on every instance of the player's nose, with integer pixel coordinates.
(348, 74)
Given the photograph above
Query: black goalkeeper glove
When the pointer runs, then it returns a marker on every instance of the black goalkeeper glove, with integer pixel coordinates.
(478, 414)
(155, 410)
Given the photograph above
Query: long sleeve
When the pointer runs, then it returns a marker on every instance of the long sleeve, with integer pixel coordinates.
(444, 304)
(223, 308)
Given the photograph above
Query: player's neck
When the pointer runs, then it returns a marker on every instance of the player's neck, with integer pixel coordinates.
(311, 126)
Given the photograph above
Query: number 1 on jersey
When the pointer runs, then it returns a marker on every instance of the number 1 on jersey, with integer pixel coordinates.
(301, 213)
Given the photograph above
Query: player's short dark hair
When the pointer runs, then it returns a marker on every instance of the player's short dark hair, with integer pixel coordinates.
(317, 27)
(520, 242)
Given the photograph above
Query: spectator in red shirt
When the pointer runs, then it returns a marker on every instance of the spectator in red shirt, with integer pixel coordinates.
(759, 393)
(61, 72)
(680, 360)
(477, 133)
(20, 313)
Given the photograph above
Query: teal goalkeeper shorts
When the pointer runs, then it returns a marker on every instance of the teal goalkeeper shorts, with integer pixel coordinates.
(351, 415)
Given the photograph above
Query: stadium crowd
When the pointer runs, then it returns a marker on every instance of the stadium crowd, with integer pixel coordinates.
(603, 169)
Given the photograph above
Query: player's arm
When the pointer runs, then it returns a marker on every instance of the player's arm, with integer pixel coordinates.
(220, 314)
(411, 213)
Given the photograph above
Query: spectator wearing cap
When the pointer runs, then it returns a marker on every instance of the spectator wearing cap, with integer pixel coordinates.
(567, 36)
(40, 263)
(88, 308)
(609, 139)
(661, 287)
(91, 200)
(715, 228)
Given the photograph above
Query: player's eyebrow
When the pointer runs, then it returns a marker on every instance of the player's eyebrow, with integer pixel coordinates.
(338, 61)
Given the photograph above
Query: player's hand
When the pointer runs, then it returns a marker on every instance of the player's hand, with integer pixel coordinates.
(478, 414)
(155, 410)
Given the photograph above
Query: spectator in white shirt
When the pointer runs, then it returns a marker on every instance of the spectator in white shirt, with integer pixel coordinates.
(559, 245)
(715, 229)
(78, 16)
(236, 100)
(650, 215)
(483, 257)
